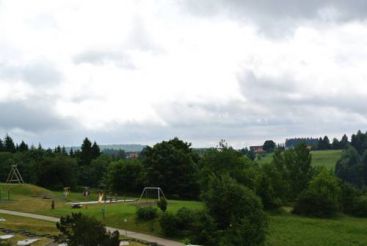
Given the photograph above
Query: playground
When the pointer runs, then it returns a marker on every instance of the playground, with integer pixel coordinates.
(119, 214)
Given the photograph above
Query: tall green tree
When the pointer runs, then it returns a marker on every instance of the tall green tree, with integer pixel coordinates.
(349, 167)
(125, 176)
(23, 147)
(2, 148)
(9, 144)
(226, 160)
(296, 169)
(171, 165)
(359, 141)
(269, 146)
(86, 153)
(344, 142)
(237, 212)
(96, 152)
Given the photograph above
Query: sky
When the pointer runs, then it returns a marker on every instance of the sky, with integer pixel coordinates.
(143, 71)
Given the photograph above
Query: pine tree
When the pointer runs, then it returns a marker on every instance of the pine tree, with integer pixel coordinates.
(95, 150)
(23, 147)
(344, 141)
(1, 145)
(86, 154)
(9, 144)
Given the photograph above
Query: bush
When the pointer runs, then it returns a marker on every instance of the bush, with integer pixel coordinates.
(162, 204)
(168, 223)
(237, 212)
(348, 197)
(322, 197)
(179, 223)
(79, 229)
(184, 219)
(315, 204)
(360, 206)
(205, 225)
(147, 213)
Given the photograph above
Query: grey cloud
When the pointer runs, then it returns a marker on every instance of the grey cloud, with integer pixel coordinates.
(282, 99)
(96, 57)
(279, 16)
(38, 73)
(30, 116)
(349, 9)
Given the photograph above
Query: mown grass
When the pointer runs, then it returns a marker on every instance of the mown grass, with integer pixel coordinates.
(289, 230)
(325, 158)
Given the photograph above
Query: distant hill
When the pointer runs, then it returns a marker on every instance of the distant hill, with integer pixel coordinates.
(125, 147)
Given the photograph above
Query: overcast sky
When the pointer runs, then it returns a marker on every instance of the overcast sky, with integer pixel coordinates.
(143, 71)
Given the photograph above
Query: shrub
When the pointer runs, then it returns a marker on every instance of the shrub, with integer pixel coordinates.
(79, 229)
(168, 223)
(348, 197)
(146, 213)
(205, 225)
(315, 204)
(184, 219)
(237, 212)
(179, 223)
(322, 197)
(360, 206)
(162, 204)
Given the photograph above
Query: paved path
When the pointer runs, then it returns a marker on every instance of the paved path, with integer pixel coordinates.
(131, 234)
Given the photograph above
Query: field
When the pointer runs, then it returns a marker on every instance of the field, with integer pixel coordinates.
(326, 158)
(288, 230)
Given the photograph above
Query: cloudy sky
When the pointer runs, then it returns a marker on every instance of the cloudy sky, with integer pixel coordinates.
(141, 71)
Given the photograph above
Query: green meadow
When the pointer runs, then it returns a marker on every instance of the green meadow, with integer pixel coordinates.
(325, 158)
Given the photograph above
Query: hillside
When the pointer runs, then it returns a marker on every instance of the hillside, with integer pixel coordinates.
(326, 158)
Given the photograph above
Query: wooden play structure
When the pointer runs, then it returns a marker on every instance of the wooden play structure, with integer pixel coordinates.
(14, 176)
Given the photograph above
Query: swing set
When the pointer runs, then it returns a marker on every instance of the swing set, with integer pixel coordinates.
(150, 196)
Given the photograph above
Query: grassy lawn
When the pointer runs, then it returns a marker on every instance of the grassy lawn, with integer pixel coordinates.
(326, 158)
(289, 230)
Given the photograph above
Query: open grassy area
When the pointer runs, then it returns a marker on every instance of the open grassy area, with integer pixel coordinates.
(326, 158)
(289, 230)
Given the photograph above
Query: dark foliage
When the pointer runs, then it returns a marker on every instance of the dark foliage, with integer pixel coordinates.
(146, 213)
(78, 229)
(171, 165)
(162, 204)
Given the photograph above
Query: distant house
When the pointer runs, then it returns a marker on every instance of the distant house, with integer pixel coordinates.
(257, 149)
(132, 155)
